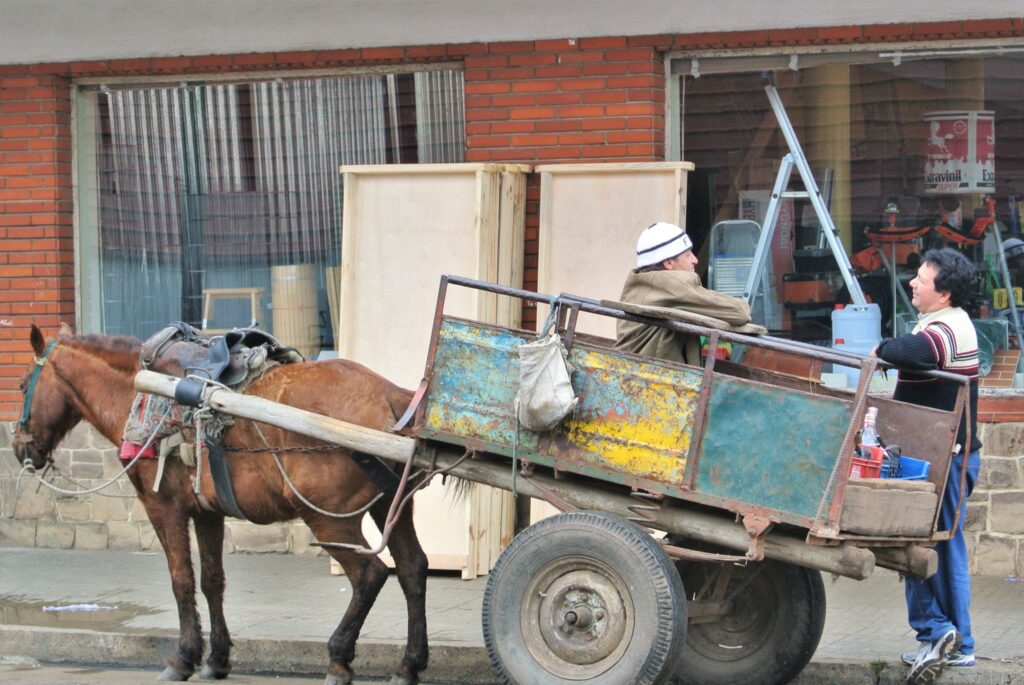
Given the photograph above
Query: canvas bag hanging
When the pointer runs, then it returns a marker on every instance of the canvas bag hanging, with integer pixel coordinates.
(545, 394)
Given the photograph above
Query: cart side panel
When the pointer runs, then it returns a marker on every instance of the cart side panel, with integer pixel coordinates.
(769, 447)
(632, 424)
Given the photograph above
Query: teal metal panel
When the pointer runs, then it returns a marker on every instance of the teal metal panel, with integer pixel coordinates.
(770, 447)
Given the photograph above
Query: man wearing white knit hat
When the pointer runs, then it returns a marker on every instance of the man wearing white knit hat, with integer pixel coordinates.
(665, 277)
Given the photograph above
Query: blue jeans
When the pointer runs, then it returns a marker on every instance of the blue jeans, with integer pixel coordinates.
(944, 601)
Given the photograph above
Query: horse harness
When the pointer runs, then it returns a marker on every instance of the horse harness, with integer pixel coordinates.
(234, 360)
(30, 388)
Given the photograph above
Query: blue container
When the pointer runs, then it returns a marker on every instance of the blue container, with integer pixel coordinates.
(913, 469)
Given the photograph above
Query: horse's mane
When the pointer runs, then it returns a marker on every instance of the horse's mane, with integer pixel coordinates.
(118, 350)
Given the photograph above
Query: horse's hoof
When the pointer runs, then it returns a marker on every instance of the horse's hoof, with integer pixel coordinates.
(209, 672)
(171, 674)
(335, 680)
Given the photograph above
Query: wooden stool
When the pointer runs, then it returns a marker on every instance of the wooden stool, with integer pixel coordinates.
(210, 295)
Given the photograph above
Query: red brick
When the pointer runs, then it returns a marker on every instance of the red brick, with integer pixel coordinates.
(582, 111)
(591, 138)
(486, 87)
(487, 141)
(633, 109)
(478, 101)
(421, 51)
(558, 125)
(175, 64)
(465, 49)
(582, 84)
(532, 59)
(559, 71)
(580, 57)
(644, 122)
(211, 62)
(513, 127)
(604, 96)
(604, 151)
(383, 53)
(631, 55)
(531, 113)
(699, 40)
(471, 75)
(97, 66)
(635, 82)
(478, 155)
(535, 140)
(632, 136)
(19, 82)
(791, 36)
(608, 124)
(478, 61)
(661, 41)
(744, 38)
(558, 98)
(605, 69)
(517, 46)
(340, 56)
(511, 73)
(557, 44)
(940, 29)
(534, 86)
(840, 34)
(26, 106)
(512, 154)
(887, 31)
(297, 57)
(598, 43)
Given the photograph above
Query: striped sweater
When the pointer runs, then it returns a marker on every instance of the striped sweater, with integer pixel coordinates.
(944, 340)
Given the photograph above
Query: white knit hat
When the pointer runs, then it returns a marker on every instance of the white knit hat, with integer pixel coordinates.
(659, 242)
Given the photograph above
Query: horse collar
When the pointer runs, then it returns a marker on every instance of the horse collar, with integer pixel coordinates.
(33, 379)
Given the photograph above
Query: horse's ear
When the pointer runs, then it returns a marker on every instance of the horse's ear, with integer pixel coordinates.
(37, 340)
(65, 329)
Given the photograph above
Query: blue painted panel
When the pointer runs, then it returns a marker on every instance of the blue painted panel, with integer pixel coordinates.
(770, 447)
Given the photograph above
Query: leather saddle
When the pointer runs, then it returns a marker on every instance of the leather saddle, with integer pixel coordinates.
(182, 350)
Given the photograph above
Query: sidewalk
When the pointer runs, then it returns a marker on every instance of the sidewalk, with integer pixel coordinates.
(281, 609)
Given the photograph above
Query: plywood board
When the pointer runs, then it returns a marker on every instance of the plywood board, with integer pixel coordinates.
(590, 218)
(403, 227)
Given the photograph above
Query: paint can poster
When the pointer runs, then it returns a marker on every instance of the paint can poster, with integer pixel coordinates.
(960, 152)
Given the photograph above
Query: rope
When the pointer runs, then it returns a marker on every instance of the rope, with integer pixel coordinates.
(27, 467)
(280, 467)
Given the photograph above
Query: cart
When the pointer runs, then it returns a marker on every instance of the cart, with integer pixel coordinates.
(742, 473)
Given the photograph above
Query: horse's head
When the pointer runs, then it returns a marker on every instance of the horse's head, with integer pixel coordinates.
(46, 414)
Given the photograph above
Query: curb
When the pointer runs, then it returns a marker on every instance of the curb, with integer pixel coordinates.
(449, 663)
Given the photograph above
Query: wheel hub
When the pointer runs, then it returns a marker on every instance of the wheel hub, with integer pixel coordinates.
(583, 621)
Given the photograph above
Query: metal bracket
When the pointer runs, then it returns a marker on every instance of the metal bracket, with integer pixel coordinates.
(757, 527)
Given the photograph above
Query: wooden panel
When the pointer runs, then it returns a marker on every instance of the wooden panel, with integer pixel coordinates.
(590, 218)
(403, 227)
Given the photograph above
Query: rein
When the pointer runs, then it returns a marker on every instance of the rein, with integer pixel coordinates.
(33, 379)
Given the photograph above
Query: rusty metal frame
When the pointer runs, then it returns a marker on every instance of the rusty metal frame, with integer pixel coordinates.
(824, 526)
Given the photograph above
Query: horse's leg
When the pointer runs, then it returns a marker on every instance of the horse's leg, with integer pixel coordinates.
(367, 576)
(411, 567)
(171, 526)
(210, 535)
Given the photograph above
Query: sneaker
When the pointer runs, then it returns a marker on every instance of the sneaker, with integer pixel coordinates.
(960, 659)
(931, 663)
(912, 656)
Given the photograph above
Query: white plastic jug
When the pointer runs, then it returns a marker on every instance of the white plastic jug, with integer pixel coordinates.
(855, 328)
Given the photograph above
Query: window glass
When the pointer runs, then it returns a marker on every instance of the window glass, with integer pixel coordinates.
(217, 204)
(931, 136)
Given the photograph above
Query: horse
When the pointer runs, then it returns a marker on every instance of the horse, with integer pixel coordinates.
(89, 377)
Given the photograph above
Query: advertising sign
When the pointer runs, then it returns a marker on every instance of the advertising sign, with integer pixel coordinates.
(960, 152)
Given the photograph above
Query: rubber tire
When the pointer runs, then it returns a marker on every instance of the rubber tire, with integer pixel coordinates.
(786, 633)
(628, 556)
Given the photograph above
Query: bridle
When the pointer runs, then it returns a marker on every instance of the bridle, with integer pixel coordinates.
(30, 389)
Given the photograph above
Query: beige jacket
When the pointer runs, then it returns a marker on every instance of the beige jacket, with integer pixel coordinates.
(679, 290)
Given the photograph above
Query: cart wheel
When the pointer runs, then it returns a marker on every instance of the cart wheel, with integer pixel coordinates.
(584, 596)
(774, 620)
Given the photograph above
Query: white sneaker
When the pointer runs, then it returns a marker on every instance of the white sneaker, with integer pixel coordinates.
(959, 659)
(931, 663)
(912, 656)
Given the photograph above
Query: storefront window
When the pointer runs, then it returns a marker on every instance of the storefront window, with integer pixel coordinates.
(220, 203)
(900, 139)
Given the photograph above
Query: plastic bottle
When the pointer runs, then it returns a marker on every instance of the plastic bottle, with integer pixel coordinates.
(869, 434)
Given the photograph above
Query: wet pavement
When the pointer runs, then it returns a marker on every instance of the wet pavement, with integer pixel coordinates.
(116, 608)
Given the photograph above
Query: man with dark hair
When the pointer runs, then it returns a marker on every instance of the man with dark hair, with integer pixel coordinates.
(665, 277)
(944, 339)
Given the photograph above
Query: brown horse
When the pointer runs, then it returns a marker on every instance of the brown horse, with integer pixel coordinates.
(90, 377)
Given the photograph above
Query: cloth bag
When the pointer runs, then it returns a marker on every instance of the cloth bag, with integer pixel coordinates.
(545, 394)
